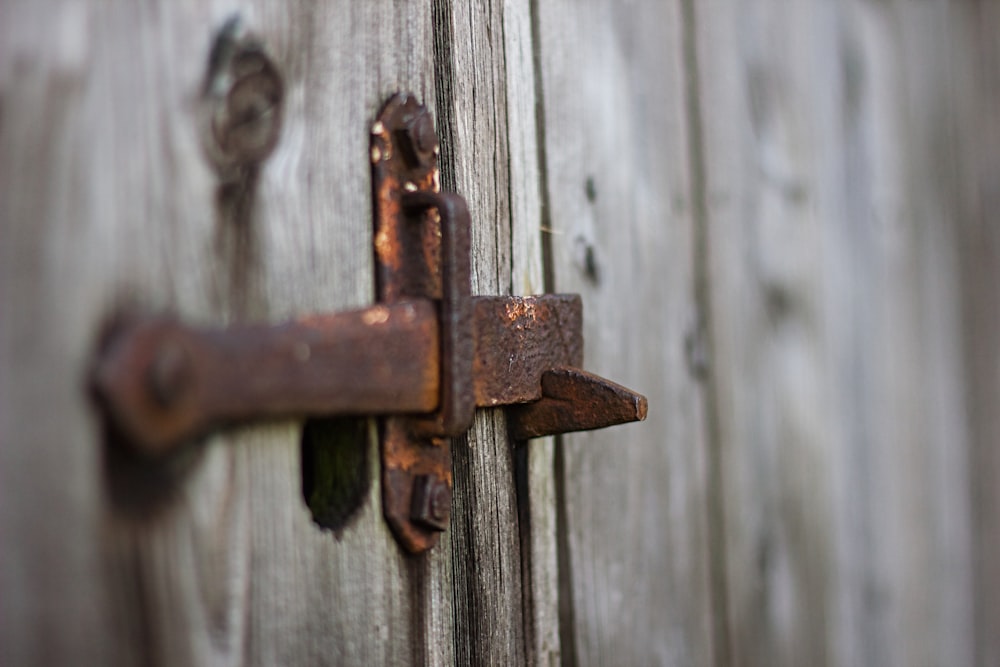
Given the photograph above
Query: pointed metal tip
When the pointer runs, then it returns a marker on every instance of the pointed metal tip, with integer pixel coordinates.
(641, 407)
(575, 400)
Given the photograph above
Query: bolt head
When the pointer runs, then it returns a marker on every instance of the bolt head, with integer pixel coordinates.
(424, 137)
(440, 502)
(431, 502)
(418, 139)
(169, 374)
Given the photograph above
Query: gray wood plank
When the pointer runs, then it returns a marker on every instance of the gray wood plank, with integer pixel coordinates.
(487, 131)
(977, 197)
(108, 201)
(534, 464)
(633, 531)
(835, 313)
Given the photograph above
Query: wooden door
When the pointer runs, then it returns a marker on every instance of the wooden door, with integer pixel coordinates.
(777, 214)
(111, 204)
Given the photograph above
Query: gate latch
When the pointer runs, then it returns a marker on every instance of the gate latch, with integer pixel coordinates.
(424, 357)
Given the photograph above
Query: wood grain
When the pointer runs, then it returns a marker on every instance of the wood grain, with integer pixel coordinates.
(976, 196)
(778, 215)
(634, 565)
(829, 150)
(534, 463)
(107, 202)
(480, 126)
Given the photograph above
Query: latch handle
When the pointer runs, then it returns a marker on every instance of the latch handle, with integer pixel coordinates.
(162, 382)
(458, 403)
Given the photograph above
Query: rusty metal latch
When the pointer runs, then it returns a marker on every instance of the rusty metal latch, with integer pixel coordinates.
(424, 357)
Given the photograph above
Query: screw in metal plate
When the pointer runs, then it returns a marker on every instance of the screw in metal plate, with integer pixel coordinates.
(169, 374)
(431, 504)
(418, 139)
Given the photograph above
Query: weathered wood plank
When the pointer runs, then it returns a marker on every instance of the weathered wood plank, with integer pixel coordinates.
(357, 599)
(485, 128)
(977, 197)
(635, 576)
(828, 140)
(535, 462)
(107, 200)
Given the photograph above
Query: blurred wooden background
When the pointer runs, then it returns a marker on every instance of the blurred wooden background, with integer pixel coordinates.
(780, 215)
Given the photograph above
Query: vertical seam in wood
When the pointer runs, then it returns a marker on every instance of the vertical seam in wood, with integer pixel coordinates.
(510, 181)
(545, 217)
(715, 506)
(500, 88)
(521, 490)
(444, 83)
(522, 497)
(977, 248)
(567, 620)
(419, 594)
(566, 603)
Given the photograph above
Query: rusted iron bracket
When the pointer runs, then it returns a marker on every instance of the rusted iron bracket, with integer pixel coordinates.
(424, 357)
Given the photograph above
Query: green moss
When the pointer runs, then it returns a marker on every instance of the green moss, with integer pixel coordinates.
(335, 475)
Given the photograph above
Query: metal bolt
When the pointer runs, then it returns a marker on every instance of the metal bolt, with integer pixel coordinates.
(440, 505)
(169, 374)
(431, 503)
(418, 139)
